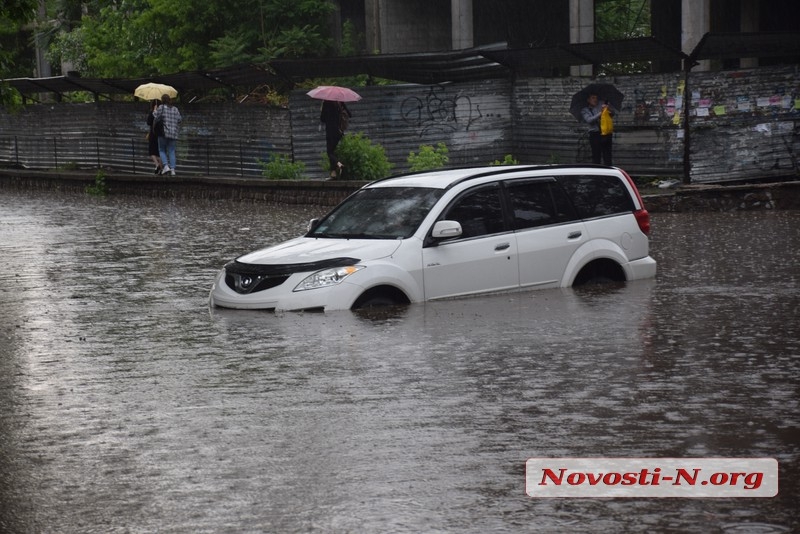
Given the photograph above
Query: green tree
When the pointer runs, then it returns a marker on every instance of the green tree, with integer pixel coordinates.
(14, 62)
(14, 14)
(295, 28)
(621, 19)
(19, 11)
(129, 38)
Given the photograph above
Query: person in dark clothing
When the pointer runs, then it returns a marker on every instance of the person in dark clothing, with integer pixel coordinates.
(331, 116)
(152, 137)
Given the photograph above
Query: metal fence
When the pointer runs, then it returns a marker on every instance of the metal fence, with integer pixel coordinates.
(195, 154)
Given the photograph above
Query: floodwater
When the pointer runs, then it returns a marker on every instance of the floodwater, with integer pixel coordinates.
(126, 405)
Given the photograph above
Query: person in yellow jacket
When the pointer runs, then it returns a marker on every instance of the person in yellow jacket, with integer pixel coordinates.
(599, 141)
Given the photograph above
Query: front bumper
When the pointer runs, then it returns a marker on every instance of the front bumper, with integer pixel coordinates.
(283, 297)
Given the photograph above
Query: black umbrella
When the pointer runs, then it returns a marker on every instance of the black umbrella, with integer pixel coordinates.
(605, 93)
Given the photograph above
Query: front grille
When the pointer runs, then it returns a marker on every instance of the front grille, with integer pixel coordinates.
(246, 278)
(245, 284)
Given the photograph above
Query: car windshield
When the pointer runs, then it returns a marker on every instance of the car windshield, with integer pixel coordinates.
(378, 213)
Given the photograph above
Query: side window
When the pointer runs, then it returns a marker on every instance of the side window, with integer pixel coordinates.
(539, 204)
(480, 212)
(596, 196)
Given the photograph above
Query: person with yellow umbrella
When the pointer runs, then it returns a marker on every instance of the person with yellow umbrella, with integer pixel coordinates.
(156, 131)
(171, 118)
(166, 121)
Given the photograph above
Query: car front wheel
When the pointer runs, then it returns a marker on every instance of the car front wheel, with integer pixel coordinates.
(379, 297)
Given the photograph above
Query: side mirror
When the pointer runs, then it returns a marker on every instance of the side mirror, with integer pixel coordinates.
(312, 223)
(446, 229)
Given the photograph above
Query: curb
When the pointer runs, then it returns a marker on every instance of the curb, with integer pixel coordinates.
(685, 198)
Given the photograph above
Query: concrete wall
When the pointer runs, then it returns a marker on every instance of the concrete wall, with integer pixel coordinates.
(412, 25)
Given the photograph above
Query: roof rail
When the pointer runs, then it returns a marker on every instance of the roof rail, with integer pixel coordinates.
(483, 171)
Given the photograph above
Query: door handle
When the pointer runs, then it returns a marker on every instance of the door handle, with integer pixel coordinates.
(574, 235)
(502, 246)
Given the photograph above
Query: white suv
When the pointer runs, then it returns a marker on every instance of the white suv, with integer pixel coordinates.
(451, 233)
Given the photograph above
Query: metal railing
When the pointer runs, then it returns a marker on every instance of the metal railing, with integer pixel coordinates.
(195, 154)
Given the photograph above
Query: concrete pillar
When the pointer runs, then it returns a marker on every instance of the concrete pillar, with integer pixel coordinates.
(43, 69)
(581, 29)
(372, 21)
(750, 23)
(462, 32)
(394, 27)
(695, 22)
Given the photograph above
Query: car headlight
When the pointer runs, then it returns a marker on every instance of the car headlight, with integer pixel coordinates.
(328, 277)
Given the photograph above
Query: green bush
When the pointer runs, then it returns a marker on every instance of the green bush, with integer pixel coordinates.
(428, 158)
(508, 160)
(554, 159)
(281, 167)
(99, 187)
(362, 159)
(69, 166)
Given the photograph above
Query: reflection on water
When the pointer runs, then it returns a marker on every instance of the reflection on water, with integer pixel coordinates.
(127, 405)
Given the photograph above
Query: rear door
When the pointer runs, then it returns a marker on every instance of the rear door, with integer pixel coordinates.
(547, 229)
(606, 206)
(483, 258)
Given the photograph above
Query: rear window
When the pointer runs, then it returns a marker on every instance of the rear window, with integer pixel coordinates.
(597, 196)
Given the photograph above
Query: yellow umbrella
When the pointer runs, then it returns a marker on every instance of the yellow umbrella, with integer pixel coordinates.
(154, 91)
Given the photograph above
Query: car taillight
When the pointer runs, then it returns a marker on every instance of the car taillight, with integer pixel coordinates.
(642, 217)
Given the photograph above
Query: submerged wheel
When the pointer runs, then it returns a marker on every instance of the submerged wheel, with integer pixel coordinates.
(375, 302)
(597, 281)
(380, 297)
(599, 272)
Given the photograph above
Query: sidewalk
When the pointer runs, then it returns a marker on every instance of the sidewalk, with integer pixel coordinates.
(306, 192)
(745, 197)
(684, 198)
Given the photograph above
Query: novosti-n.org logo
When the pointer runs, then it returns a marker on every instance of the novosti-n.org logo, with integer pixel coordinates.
(651, 477)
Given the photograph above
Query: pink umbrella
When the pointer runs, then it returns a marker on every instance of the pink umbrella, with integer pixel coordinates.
(332, 92)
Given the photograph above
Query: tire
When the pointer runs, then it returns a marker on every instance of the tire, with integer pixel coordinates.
(378, 301)
(598, 281)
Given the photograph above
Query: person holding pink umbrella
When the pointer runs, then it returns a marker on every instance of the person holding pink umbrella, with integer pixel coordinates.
(335, 116)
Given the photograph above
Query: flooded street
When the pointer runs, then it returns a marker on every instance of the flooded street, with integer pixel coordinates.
(126, 405)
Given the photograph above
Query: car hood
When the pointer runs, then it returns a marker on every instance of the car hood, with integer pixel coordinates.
(310, 250)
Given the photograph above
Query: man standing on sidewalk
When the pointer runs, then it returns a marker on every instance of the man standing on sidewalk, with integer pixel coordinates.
(598, 141)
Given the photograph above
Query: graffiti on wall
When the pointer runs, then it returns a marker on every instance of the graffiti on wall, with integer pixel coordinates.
(439, 111)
